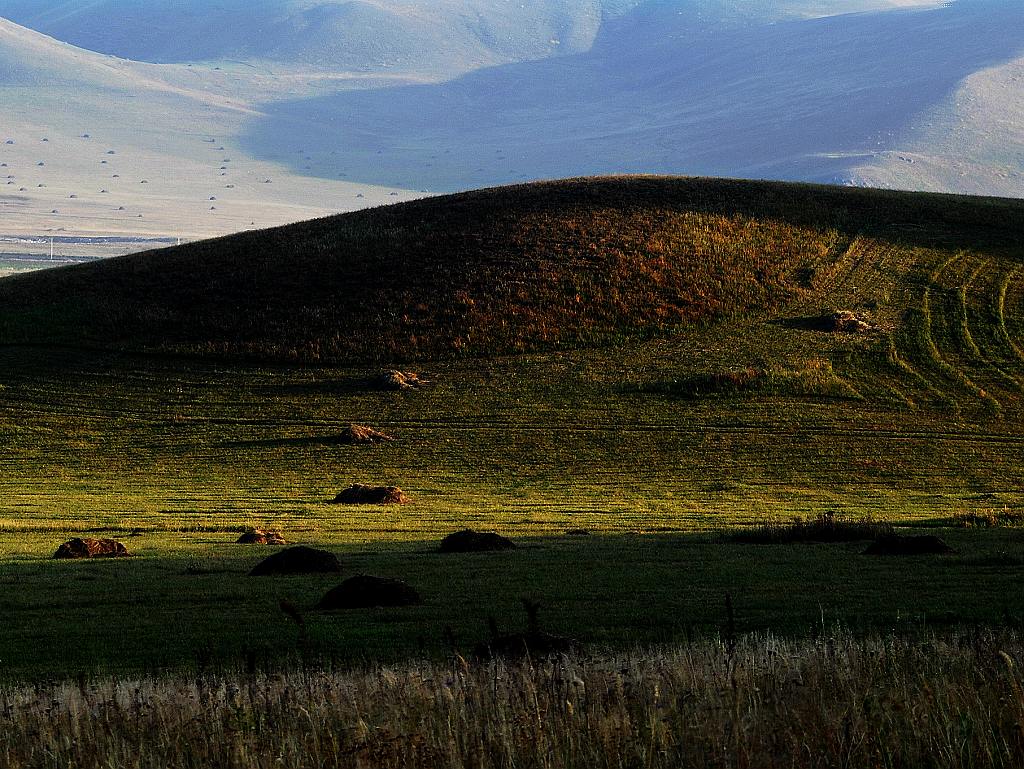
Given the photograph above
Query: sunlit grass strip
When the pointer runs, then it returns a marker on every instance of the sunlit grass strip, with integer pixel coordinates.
(758, 701)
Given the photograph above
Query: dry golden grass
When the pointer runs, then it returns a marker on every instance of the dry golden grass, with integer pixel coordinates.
(953, 701)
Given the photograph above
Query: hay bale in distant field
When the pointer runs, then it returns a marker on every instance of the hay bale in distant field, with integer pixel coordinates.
(297, 560)
(362, 494)
(363, 434)
(91, 548)
(894, 544)
(469, 541)
(400, 380)
(364, 592)
(257, 536)
(847, 322)
(577, 532)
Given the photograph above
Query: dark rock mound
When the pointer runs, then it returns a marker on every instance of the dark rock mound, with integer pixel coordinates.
(91, 548)
(297, 560)
(362, 434)
(469, 541)
(400, 380)
(259, 536)
(534, 642)
(362, 494)
(363, 592)
(838, 322)
(894, 544)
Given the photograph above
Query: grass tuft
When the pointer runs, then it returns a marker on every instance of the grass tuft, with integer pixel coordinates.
(827, 527)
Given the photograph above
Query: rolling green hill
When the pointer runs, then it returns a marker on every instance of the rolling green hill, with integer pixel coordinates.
(516, 269)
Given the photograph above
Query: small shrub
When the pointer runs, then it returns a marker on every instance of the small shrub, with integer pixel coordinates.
(827, 527)
(815, 376)
(988, 519)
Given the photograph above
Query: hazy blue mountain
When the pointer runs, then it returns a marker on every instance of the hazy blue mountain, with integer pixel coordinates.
(800, 99)
(458, 94)
(442, 36)
(439, 36)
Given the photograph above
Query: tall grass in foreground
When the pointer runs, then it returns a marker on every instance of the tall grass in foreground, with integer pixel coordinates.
(951, 701)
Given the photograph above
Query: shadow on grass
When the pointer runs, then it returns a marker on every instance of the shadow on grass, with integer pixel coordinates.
(167, 609)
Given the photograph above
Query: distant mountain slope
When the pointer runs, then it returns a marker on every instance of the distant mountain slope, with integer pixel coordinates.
(443, 36)
(973, 140)
(808, 99)
(96, 145)
(513, 269)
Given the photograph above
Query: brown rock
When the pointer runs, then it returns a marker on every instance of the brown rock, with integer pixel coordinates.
(258, 536)
(362, 494)
(400, 380)
(469, 541)
(847, 322)
(91, 548)
(363, 592)
(297, 560)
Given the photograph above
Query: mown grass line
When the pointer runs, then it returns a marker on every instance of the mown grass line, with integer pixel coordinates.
(928, 341)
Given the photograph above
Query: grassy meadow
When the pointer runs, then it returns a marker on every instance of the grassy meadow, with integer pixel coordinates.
(622, 405)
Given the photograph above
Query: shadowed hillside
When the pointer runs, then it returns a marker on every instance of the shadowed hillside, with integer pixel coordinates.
(505, 270)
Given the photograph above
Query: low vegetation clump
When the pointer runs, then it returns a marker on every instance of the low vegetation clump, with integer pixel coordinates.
(988, 519)
(811, 377)
(759, 702)
(827, 527)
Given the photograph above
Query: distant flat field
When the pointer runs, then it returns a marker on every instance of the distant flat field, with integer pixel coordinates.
(96, 146)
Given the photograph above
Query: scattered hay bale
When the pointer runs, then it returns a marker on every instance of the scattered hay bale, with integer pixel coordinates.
(400, 380)
(894, 544)
(363, 434)
(91, 548)
(257, 536)
(362, 494)
(297, 560)
(364, 592)
(469, 541)
(847, 322)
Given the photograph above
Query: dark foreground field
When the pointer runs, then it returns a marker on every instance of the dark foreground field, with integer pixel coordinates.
(945, 701)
